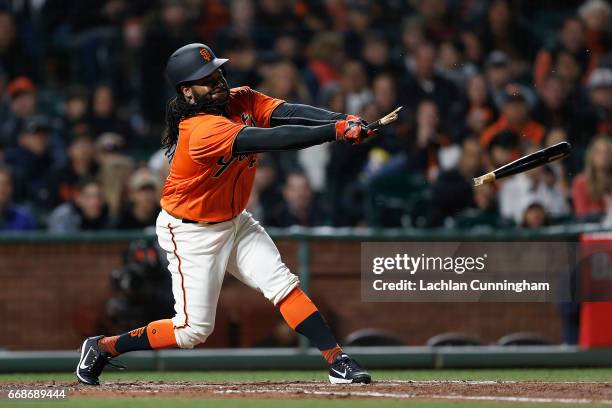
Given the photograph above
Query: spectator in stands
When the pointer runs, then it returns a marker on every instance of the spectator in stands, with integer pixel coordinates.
(159, 165)
(288, 47)
(88, 211)
(502, 149)
(436, 20)
(567, 67)
(325, 58)
(553, 109)
(600, 94)
(474, 113)
(76, 111)
(420, 151)
(13, 57)
(356, 22)
(22, 95)
(241, 67)
(354, 84)
(81, 165)
(571, 38)
(499, 75)
(33, 164)
(453, 192)
(143, 207)
(299, 206)
(108, 146)
(12, 216)
(559, 168)
(596, 17)
(115, 169)
(412, 36)
(537, 185)
(169, 30)
(423, 82)
(114, 175)
(384, 88)
(104, 116)
(275, 16)
(590, 187)
(474, 52)
(266, 193)
(504, 31)
(515, 117)
(243, 23)
(535, 216)
(452, 64)
(283, 81)
(376, 54)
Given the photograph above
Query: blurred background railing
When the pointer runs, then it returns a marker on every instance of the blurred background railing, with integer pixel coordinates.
(58, 288)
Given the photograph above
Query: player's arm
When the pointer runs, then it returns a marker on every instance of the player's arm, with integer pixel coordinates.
(295, 137)
(305, 115)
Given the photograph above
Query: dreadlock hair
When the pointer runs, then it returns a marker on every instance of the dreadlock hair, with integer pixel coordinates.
(178, 109)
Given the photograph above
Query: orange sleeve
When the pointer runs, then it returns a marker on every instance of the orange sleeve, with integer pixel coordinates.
(262, 107)
(213, 136)
(542, 67)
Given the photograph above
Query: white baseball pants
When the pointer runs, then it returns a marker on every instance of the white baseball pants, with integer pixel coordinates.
(199, 255)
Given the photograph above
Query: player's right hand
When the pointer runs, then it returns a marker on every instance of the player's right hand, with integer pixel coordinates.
(353, 131)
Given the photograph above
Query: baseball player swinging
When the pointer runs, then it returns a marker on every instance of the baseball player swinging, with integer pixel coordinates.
(213, 137)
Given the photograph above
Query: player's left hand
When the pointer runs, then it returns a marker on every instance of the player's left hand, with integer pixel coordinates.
(354, 130)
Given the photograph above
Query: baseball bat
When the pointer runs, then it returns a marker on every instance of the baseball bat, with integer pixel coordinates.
(528, 162)
(385, 120)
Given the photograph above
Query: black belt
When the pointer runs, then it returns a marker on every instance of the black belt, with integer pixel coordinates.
(188, 221)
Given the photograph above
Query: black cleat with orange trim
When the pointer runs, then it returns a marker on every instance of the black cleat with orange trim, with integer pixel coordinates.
(92, 361)
(345, 370)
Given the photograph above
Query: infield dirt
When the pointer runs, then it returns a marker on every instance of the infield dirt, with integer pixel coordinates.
(581, 393)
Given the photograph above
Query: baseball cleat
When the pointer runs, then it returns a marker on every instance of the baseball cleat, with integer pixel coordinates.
(345, 370)
(92, 362)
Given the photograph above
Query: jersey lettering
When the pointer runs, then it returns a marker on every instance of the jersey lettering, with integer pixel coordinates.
(224, 165)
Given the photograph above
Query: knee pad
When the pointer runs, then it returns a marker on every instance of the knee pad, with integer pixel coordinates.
(190, 336)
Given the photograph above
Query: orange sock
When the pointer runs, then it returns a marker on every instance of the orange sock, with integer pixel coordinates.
(296, 307)
(156, 335)
(303, 316)
(161, 334)
(107, 345)
(330, 354)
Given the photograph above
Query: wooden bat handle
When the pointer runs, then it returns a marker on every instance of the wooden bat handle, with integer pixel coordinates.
(385, 120)
(484, 179)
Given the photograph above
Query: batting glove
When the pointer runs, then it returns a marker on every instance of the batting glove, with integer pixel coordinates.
(354, 130)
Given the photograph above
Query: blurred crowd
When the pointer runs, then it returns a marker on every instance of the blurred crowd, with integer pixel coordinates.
(482, 82)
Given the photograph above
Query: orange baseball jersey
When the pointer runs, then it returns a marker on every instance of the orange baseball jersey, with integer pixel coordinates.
(207, 183)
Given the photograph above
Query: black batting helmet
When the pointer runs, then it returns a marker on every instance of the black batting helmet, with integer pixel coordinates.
(192, 62)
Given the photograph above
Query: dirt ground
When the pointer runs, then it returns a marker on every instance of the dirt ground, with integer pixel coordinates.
(509, 391)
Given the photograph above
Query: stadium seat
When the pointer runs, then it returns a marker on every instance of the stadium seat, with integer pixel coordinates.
(372, 337)
(453, 339)
(523, 339)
